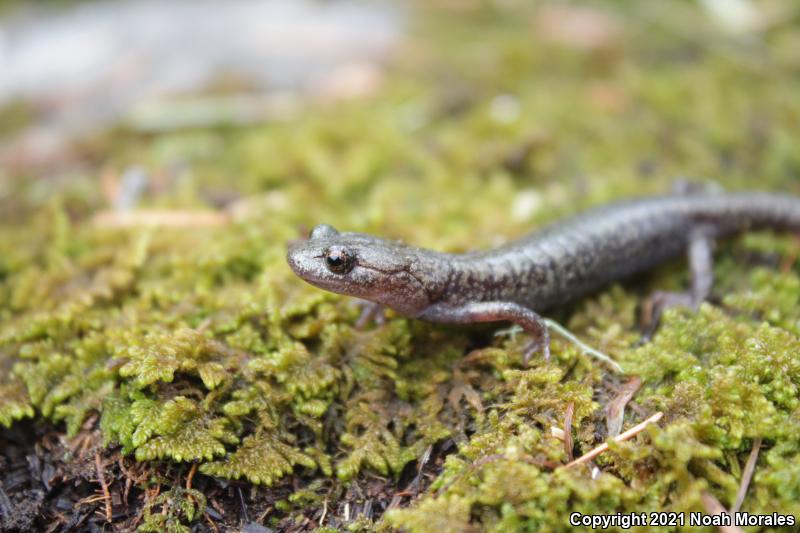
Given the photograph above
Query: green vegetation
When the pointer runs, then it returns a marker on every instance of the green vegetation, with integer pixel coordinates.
(198, 345)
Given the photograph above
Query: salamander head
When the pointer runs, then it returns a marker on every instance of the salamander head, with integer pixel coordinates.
(361, 265)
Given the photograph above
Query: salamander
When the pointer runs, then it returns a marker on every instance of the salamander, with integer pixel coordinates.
(558, 264)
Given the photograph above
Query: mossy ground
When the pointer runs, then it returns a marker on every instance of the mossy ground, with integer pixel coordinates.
(197, 346)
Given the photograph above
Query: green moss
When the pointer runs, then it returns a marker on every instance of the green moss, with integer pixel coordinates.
(180, 507)
(15, 403)
(261, 459)
(721, 381)
(199, 345)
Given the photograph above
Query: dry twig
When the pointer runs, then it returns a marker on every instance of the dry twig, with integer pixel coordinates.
(568, 443)
(615, 410)
(174, 218)
(211, 523)
(635, 430)
(713, 506)
(98, 464)
(747, 475)
(190, 476)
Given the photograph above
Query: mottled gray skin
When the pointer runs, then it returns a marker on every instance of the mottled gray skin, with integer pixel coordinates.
(551, 267)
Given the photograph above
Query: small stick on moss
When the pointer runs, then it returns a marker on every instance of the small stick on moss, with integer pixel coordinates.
(412, 489)
(635, 430)
(263, 515)
(190, 476)
(615, 410)
(165, 218)
(211, 523)
(128, 479)
(80, 444)
(713, 506)
(564, 332)
(98, 464)
(568, 443)
(244, 506)
(747, 475)
(426, 456)
(90, 499)
(324, 512)
(218, 508)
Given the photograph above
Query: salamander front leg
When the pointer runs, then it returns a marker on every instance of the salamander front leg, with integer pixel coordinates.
(494, 312)
(370, 312)
(701, 244)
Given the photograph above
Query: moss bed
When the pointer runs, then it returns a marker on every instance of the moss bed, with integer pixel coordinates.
(210, 389)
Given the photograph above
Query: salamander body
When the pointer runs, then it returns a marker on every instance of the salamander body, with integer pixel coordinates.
(553, 266)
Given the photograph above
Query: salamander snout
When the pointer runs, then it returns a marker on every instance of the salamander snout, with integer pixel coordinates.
(309, 260)
(323, 259)
(303, 259)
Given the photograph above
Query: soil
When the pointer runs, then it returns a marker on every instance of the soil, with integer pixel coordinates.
(49, 483)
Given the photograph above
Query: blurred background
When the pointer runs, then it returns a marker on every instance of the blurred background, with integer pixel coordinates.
(73, 68)
(118, 104)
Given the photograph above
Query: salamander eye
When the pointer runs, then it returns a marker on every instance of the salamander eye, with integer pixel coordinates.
(339, 259)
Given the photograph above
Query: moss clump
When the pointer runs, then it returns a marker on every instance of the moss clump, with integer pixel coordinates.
(197, 346)
(261, 459)
(715, 378)
(181, 507)
(15, 403)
